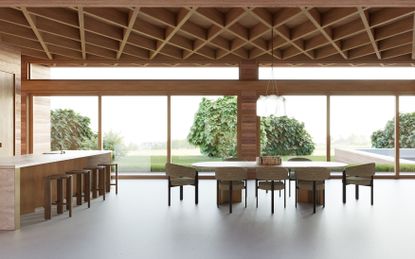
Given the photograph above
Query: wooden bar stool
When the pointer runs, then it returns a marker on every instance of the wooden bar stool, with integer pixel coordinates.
(98, 181)
(112, 167)
(59, 178)
(86, 190)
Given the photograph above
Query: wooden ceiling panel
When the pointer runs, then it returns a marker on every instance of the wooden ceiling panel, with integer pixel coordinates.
(202, 35)
(62, 15)
(114, 16)
(14, 16)
(13, 29)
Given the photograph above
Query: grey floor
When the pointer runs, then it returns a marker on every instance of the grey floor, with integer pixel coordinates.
(138, 224)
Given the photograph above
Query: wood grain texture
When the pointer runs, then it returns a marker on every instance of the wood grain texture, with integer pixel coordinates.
(9, 216)
(10, 63)
(40, 141)
(41, 125)
(215, 87)
(7, 117)
(31, 178)
(212, 3)
(248, 123)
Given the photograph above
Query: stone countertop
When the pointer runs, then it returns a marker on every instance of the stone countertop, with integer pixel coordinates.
(45, 158)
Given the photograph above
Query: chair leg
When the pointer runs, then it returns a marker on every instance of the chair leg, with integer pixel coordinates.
(116, 179)
(87, 190)
(256, 192)
(256, 189)
(168, 194)
(59, 201)
(344, 192)
(272, 197)
(285, 194)
(324, 197)
(246, 192)
(69, 195)
(289, 188)
(314, 197)
(197, 193)
(104, 185)
(357, 192)
(296, 194)
(79, 189)
(48, 199)
(181, 192)
(94, 176)
(217, 193)
(230, 196)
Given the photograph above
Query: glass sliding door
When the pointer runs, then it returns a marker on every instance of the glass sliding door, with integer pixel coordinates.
(135, 128)
(357, 123)
(407, 134)
(203, 128)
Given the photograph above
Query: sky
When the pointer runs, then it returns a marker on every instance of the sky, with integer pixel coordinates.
(143, 118)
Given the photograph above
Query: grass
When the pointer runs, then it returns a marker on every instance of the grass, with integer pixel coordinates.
(156, 163)
(138, 163)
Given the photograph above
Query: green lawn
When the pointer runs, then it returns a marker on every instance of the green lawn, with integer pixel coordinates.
(156, 163)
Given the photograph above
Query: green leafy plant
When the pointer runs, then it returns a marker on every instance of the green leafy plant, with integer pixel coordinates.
(285, 137)
(214, 127)
(214, 131)
(386, 138)
(70, 130)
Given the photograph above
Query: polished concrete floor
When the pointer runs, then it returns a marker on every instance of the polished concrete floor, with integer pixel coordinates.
(138, 224)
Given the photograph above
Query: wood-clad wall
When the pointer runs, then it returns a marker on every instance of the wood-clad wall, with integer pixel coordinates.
(41, 113)
(10, 60)
(248, 122)
(217, 87)
(35, 129)
(7, 118)
(41, 124)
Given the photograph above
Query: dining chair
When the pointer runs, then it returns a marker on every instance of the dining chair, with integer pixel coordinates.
(291, 173)
(311, 179)
(359, 175)
(231, 179)
(271, 179)
(179, 176)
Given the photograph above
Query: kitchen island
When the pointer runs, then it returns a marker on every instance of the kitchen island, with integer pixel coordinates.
(22, 179)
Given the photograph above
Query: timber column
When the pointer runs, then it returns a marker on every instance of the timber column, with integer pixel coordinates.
(248, 122)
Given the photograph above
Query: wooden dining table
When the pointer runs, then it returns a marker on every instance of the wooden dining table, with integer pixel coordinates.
(303, 196)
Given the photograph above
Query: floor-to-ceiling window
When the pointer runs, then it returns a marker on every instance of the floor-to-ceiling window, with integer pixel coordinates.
(135, 128)
(301, 132)
(407, 134)
(356, 123)
(65, 123)
(203, 128)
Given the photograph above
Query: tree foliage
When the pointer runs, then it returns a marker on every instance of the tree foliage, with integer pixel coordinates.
(386, 138)
(214, 127)
(214, 131)
(69, 130)
(285, 137)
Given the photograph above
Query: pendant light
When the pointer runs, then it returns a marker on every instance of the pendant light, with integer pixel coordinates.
(271, 103)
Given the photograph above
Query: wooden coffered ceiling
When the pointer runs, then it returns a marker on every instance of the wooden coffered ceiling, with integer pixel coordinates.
(142, 35)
